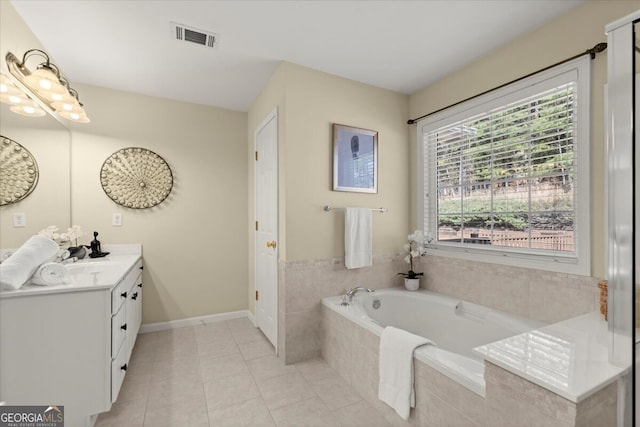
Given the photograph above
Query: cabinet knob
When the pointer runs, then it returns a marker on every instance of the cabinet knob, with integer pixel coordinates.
(139, 285)
(142, 267)
(123, 295)
(124, 327)
(124, 367)
(134, 296)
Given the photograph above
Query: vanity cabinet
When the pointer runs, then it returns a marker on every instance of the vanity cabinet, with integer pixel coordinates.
(70, 345)
(126, 317)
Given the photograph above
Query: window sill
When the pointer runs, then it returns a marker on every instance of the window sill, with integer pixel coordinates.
(556, 263)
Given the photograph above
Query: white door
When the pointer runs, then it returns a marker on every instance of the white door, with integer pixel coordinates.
(266, 245)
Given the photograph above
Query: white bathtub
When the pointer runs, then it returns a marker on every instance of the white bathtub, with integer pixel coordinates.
(455, 326)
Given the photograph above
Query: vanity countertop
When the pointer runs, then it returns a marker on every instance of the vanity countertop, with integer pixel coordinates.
(569, 358)
(89, 273)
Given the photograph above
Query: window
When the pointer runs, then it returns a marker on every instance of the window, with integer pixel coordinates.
(505, 176)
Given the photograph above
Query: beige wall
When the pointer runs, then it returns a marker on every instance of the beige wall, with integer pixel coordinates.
(194, 243)
(46, 139)
(309, 102)
(315, 100)
(576, 31)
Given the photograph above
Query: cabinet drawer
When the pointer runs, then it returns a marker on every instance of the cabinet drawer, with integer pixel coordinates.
(118, 371)
(118, 330)
(118, 297)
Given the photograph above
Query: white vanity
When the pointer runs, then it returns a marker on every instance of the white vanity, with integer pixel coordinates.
(70, 344)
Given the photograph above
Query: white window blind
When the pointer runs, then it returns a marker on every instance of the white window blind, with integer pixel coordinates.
(501, 174)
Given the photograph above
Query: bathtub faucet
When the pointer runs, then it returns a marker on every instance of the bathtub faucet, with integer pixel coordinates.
(351, 292)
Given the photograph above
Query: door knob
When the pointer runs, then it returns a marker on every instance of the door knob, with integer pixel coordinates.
(271, 244)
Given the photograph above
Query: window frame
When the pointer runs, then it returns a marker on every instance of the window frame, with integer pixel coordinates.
(578, 70)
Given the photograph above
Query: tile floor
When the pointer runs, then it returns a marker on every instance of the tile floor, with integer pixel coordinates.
(226, 374)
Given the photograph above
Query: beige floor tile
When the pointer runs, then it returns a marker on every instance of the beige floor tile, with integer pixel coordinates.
(140, 366)
(175, 350)
(217, 348)
(164, 369)
(245, 335)
(229, 391)
(241, 323)
(192, 413)
(134, 388)
(123, 413)
(335, 392)
(285, 390)
(267, 367)
(185, 335)
(315, 370)
(250, 413)
(226, 374)
(308, 413)
(215, 368)
(256, 349)
(212, 332)
(175, 390)
(360, 414)
(146, 339)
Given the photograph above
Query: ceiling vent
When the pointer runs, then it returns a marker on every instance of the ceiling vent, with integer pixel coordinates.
(188, 34)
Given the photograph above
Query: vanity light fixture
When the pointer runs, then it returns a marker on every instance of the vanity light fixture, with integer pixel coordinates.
(20, 103)
(44, 87)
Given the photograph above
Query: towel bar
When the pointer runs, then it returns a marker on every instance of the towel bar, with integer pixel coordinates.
(328, 208)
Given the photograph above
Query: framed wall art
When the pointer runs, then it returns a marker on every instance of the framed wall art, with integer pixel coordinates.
(136, 178)
(355, 159)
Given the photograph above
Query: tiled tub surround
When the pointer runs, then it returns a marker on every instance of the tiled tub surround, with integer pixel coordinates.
(540, 295)
(535, 294)
(456, 327)
(588, 399)
(303, 284)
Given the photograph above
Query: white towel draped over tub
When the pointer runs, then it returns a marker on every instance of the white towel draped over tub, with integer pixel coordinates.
(358, 250)
(396, 369)
(19, 267)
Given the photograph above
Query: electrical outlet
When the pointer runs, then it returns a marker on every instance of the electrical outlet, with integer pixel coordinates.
(19, 219)
(116, 220)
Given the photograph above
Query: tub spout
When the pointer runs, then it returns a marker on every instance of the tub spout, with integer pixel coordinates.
(351, 292)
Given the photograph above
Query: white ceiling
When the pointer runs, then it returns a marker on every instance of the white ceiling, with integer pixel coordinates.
(398, 45)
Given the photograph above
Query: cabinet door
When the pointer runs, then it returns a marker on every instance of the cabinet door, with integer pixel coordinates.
(134, 313)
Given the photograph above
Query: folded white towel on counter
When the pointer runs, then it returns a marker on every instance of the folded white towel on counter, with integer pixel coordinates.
(396, 369)
(358, 248)
(16, 270)
(51, 273)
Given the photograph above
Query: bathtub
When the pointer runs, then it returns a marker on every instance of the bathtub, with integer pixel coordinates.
(455, 326)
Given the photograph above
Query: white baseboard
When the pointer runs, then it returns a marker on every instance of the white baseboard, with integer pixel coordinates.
(194, 321)
(252, 318)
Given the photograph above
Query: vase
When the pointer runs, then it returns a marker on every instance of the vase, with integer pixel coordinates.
(412, 284)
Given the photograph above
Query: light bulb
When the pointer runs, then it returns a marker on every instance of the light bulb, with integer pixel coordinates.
(28, 110)
(78, 117)
(70, 105)
(12, 99)
(44, 79)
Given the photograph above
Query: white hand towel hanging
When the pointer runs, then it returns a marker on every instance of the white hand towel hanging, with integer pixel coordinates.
(357, 238)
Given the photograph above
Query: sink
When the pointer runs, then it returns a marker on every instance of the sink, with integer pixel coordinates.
(87, 268)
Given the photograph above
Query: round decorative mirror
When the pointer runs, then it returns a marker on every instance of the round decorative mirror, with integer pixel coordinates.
(136, 178)
(18, 171)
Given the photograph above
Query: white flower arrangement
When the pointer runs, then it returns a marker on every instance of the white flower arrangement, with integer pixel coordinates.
(414, 248)
(62, 239)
